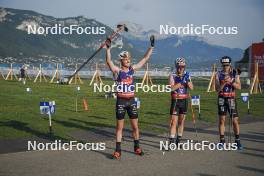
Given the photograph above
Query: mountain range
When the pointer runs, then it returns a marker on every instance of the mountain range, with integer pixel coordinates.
(195, 49)
(70, 49)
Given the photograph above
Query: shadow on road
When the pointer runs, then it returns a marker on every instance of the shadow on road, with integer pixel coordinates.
(251, 169)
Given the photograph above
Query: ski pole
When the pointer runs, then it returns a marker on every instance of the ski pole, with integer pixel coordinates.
(229, 130)
(120, 27)
(230, 123)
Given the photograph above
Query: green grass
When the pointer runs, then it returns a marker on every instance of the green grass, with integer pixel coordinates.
(20, 117)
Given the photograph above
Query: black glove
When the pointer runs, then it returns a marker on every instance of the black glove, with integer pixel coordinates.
(108, 43)
(152, 40)
(238, 71)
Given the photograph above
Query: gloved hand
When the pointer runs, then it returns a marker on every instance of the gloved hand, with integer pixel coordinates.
(108, 43)
(186, 78)
(238, 71)
(228, 79)
(152, 40)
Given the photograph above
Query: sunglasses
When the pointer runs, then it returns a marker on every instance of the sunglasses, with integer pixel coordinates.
(124, 54)
(226, 65)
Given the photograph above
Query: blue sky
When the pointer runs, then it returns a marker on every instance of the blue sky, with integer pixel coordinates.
(247, 15)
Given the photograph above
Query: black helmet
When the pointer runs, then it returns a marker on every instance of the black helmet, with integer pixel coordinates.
(226, 60)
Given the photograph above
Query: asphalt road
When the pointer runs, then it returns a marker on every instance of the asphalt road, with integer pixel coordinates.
(249, 161)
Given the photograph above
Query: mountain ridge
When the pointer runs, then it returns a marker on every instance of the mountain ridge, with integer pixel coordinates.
(15, 42)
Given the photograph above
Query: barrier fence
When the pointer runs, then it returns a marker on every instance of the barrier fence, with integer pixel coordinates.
(108, 74)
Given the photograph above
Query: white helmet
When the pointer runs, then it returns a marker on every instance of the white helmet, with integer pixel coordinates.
(124, 54)
(180, 61)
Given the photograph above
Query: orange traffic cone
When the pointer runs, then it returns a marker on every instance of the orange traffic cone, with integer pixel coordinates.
(85, 105)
